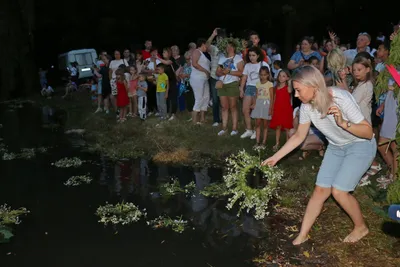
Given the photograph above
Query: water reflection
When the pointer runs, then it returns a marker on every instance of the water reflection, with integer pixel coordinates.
(140, 180)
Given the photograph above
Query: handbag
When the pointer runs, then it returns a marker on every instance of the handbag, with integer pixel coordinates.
(219, 84)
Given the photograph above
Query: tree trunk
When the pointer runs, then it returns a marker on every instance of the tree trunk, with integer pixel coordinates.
(18, 75)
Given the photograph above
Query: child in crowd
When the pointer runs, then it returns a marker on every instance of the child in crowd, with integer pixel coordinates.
(282, 115)
(162, 90)
(277, 67)
(122, 94)
(262, 110)
(133, 82)
(142, 96)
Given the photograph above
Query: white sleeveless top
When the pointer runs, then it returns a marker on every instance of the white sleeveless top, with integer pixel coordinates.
(205, 63)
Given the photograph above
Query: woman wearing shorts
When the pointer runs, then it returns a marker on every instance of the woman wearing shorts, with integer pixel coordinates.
(351, 149)
(229, 72)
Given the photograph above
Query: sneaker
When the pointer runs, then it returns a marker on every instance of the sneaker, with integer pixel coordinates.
(233, 133)
(157, 114)
(129, 115)
(253, 136)
(107, 111)
(247, 133)
(150, 113)
(215, 124)
(222, 132)
(98, 110)
(171, 118)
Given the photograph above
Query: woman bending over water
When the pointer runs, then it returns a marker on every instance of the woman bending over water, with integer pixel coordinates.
(350, 152)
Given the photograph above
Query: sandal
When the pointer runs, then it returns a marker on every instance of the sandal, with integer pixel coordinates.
(364, 181)
(373, 170)
(304, 155)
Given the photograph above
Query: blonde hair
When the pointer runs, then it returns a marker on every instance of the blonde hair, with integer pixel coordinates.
(336, 60)
(310, 76)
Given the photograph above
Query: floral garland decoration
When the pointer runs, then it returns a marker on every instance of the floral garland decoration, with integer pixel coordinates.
(222, 43)
(177, 225)
(236, 181)
(121, 213)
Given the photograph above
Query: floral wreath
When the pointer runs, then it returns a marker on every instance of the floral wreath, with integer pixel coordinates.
(120, 213)
(239, 167)
(222, 43)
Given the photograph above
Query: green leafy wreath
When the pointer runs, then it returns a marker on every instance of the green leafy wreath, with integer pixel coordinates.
(235, 180)
(222, 43)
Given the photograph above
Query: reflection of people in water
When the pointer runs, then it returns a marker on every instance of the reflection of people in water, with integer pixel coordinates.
(47, 115)
(199, 201)
(144, 174)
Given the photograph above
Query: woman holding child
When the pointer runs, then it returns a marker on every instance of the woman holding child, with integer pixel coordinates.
(351, 149)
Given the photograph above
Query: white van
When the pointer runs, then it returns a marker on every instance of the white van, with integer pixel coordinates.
(86, 58)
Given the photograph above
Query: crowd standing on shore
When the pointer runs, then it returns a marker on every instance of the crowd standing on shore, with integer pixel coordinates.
(322, 99)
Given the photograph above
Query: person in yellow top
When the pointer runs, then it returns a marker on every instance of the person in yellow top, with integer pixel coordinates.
(262, 110)
(162, 91)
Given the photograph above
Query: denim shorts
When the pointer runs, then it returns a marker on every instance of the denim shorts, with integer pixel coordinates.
(251, 90)
(343, 166)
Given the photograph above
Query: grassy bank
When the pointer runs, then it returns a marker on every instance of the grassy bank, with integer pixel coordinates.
(179, 142)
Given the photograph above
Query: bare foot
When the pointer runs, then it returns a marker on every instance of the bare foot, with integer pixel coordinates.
(356, 234)
(300, 240)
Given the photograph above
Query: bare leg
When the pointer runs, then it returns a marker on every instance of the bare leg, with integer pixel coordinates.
(258, 130)
(107, 103)
(386, 153)
(130, 104)
(195, 116)
(265, 132)
(234, 112)
(314, 207)
(247, 100)
(225, 111)
(135, 105)
(351, 206)
(277, 136)
(99, 101)
(202, 116)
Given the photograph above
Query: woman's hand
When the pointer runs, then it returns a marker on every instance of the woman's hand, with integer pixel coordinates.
(379, 110)
(241, 92)
(270, 161)
(226, 71)
(337, 114)
(332, 35)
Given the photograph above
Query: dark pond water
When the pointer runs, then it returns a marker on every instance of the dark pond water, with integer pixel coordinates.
(62, 228)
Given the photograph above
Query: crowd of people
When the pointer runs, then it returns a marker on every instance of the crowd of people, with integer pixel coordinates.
(323, 99)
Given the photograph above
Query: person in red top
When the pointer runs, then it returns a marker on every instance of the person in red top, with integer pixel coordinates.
(146, 52)
(255, 39)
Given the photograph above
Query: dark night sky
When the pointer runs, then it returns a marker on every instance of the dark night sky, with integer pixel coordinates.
(65, 25)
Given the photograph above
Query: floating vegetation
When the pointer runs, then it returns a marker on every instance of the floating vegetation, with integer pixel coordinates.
(9, 216)
(78, 180)
(239, 166)
(9, 156)
(180, 155)
(27, 153)
(177, 225)
(172, 188)
(42, 149)
(75, 131)
(68, 162)
(215, 190)
(121, 213)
